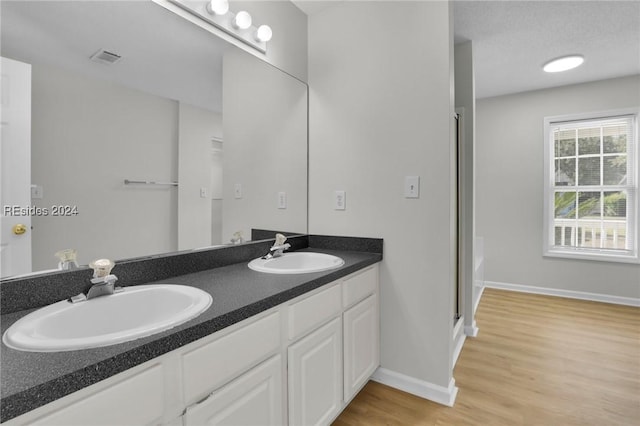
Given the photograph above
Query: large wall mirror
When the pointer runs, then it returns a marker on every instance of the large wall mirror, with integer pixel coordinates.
(211, 140)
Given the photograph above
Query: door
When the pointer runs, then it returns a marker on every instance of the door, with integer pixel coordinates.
(315, 376)
(15, 167)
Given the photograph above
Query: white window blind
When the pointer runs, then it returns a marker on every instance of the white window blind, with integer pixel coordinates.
(591, 191)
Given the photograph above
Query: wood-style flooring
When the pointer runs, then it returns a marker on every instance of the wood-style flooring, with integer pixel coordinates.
(537, 360)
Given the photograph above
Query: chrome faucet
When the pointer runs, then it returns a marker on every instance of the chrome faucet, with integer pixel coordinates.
(103, 286)
(237, 238)
(67, 259)
(102, 283)
(278, 247)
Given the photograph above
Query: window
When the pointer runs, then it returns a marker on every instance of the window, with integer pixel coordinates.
(591, 186)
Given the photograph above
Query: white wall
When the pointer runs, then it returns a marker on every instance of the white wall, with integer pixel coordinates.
(510, 142)
(87, 137)
(265, 147)
(197, 127)
(380, 80)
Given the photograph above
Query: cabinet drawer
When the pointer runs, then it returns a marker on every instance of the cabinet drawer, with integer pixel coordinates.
(119, 404)
(311, 312)
(359, 286)
(255, 398)
(211, 366)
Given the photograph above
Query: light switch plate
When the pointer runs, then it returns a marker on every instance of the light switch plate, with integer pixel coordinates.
(340, 200)
(37, 192)
(412, 187)
(237, 190)
(203, 192)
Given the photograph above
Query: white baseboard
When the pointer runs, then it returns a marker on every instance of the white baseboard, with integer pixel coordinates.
(471, 330)
(457, 329)
(605, 298)
(440, 394)
(459, 337)
(458, 343)
(478, 297)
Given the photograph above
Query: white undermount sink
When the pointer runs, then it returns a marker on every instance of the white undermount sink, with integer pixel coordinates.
(297, 263)
(136, 312)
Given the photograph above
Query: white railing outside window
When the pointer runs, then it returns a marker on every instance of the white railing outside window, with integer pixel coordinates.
(610, 234)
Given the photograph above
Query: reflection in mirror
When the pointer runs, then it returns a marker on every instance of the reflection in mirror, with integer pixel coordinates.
(264, 121)
(200, 168)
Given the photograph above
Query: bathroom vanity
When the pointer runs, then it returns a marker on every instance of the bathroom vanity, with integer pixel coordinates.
(272, 349)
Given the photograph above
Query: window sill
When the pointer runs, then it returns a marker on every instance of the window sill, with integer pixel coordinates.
(592, 255)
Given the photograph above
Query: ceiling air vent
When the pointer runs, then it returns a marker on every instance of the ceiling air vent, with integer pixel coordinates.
(105, 57)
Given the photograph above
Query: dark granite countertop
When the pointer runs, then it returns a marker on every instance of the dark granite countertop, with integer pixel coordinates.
(33, 379)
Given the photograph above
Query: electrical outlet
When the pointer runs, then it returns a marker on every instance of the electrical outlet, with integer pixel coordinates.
(340, 200)
(237, 190)
(282, 200)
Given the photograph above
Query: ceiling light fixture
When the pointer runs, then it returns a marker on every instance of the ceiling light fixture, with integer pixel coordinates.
(217, 14)
(564, 63)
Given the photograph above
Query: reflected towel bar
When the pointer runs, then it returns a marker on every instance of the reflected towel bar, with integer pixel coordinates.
(148, 182)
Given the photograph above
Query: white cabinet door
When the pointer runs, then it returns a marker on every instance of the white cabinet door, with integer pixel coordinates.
(361, 345)
(315, 376)
(255, 398)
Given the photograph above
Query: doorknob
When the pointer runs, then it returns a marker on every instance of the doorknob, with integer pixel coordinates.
(19, 229)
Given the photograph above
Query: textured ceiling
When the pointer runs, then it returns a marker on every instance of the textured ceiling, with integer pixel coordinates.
(513, 39)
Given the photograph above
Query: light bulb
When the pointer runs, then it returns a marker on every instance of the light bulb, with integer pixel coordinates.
(218, 7)
(563, 64)
(264, 33)
(242, 20)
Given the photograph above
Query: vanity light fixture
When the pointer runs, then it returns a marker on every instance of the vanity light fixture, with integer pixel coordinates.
(564, 63)
(264, 33)
(218, 7)
(242, 20)
(217, 13)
